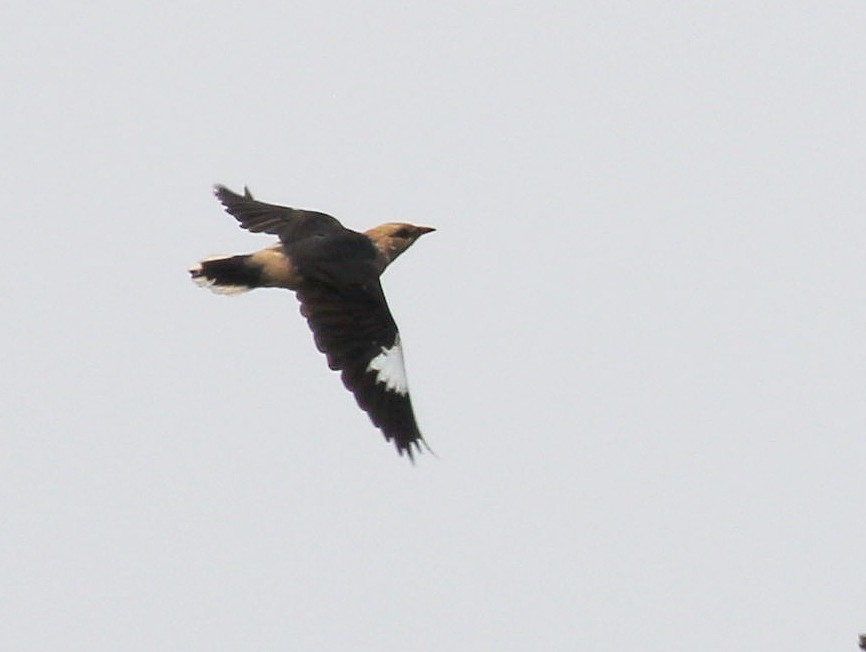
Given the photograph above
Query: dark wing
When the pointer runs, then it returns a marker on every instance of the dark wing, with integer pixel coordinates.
(353, 327)
(338, 259)
(290, 224)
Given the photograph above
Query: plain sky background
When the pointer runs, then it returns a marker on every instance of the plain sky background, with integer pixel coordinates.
(637, 342)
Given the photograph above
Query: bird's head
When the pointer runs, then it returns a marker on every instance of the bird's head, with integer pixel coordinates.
(393, 238)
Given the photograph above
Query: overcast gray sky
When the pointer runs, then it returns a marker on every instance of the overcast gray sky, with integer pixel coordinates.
(637, 342)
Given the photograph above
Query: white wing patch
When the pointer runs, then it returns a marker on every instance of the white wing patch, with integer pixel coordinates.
(390, 369)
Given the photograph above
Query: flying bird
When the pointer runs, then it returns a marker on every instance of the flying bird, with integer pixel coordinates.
(334, 273)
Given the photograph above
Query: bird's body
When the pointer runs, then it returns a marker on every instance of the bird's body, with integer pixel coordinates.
(334, 272)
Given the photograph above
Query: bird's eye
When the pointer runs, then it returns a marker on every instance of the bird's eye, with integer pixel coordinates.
(402, 233)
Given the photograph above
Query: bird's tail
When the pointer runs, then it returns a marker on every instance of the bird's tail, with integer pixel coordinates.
(228, 274)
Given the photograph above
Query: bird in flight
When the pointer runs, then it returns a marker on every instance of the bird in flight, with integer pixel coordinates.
(334, 273)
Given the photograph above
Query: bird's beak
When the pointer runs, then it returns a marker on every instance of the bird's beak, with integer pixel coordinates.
(425, 229)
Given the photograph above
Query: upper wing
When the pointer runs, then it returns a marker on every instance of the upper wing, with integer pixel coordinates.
(353, 327)
(290, 224)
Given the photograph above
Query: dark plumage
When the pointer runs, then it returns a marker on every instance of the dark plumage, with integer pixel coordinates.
(335, 273)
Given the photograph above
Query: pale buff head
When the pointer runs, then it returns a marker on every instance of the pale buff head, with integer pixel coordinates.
(393, 238)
